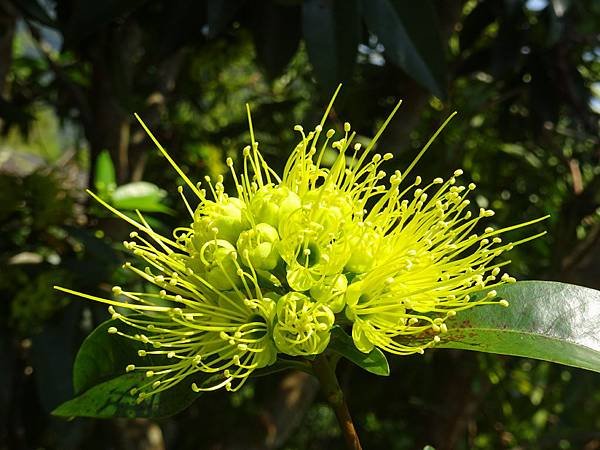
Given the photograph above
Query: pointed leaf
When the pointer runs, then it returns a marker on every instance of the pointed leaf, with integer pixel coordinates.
(112, 398)
(140, 195)
(103, 356)
(545, 320)
(410, 36)
(104, 389)
(332, 30)
(105, 180)
(374, 361)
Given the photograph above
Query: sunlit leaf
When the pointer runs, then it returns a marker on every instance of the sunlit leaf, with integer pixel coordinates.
(140, 195)
(105, 180)
(545, 320)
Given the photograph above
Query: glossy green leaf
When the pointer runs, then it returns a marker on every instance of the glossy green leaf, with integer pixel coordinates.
(410, 36)
(374, 361)
(32, 9)
(103, 388)
(103, 356)
(331, 30)
(276, 30)
(105, 180)
(551, 321)
(140, 195)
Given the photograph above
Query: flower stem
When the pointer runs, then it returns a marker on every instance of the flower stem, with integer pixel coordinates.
(325, 373)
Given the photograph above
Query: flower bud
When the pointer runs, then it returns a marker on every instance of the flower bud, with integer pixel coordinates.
(257, 247)
(365, 245)
(329, 208)
(273, 205)
(331, 292)
(222, 220)
(216, 264)
(303, 326)
(353, 293)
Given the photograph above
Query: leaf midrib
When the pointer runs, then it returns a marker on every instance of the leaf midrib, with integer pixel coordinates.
(529, 333)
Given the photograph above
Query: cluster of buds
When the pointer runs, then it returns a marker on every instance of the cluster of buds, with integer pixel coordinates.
(269, 267)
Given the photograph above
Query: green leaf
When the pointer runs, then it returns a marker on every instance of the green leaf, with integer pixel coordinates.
(103, 388)
(116, 353)
(32, 9)
(112, 398)
(332, 30)
(140, 195)
(374, 361)
(281, 365)
(545, 320)
(276, 33)
(410, 35)
(105, 180)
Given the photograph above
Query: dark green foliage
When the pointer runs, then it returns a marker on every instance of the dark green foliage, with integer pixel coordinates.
(103, 388)
(526, 133)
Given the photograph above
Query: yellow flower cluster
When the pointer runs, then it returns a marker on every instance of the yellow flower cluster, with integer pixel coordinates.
(272, 266)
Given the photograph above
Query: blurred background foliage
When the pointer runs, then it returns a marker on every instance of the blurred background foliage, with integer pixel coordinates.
(524, 76)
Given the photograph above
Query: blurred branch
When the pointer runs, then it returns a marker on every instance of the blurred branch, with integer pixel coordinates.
(284, 413)
(462, 402)
(576, 176)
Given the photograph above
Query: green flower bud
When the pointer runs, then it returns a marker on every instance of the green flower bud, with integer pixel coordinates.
(216, 263)
(329, 208)
(353, 293)
(331, 292)
(256, 333)
(303, 326)
(258, 246)
(310, 250)
(273, 204)
(365, 245)
(300, 278)
(222, 220)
